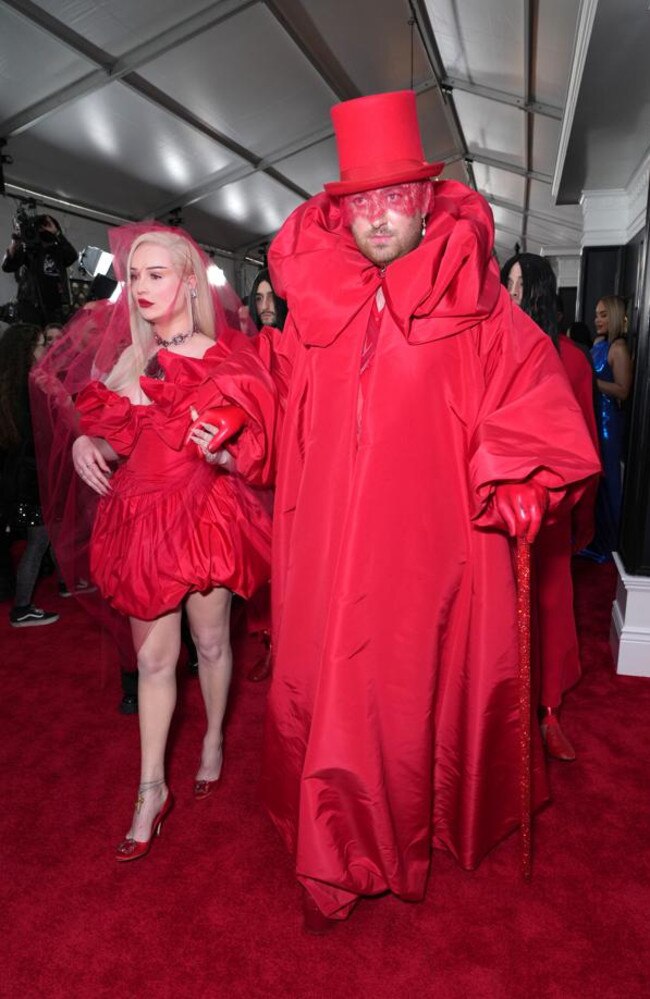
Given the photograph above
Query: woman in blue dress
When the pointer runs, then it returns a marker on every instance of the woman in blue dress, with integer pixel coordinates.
(613, 367)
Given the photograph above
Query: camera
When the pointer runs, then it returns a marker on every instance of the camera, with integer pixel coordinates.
(28, 227)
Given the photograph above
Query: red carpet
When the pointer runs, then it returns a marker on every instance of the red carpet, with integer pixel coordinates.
(213, 910)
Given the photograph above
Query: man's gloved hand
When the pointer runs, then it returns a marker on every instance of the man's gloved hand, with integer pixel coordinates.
(521, 506)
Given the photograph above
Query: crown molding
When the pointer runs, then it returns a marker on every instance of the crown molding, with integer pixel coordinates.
(613, 216)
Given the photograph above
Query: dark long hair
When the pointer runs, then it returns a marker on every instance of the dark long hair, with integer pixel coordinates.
(17, 346)
(280, 304)
(539, 299)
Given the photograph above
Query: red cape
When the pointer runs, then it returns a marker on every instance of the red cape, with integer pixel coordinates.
(392, 719)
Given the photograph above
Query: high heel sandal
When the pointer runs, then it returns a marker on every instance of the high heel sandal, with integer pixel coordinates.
(556, 742)
(204, 788)
(133, 849)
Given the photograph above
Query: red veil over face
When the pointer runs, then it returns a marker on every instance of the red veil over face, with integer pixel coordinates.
(88, 350)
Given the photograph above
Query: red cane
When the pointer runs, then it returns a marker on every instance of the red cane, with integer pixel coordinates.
(522, 562)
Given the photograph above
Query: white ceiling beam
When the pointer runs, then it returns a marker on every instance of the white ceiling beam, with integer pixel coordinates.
(491, 161)
(512, 206)
(502, 97)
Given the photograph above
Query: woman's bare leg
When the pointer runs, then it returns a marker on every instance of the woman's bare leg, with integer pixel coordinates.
(157, 645)
(209, 618)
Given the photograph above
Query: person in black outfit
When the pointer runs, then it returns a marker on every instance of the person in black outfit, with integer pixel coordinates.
(21, 345)
(40, 264)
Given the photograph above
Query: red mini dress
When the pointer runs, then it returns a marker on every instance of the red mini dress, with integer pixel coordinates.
(172, 524)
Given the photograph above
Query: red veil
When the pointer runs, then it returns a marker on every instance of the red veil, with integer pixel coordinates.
(87, 351)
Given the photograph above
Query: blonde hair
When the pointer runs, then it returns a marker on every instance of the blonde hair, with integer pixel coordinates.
(614, 306)
(186, 262)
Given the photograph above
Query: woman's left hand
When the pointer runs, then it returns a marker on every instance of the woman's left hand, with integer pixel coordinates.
(202, 434)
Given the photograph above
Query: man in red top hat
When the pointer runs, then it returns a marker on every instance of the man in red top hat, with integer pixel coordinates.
(427, 421)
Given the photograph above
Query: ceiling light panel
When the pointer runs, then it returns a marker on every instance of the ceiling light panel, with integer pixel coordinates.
(116, 149)
(33, 65)
(372, 41)
(482, 42)
(546, 137)
(247, 79)
(259, 204)
(498, 130)
(555, 32)
(120, 25)
(500, 183)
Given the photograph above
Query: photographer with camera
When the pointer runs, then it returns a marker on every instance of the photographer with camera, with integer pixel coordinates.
(39, 255)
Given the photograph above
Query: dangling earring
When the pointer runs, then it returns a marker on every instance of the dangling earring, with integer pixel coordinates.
(193, 305)
(423, 230)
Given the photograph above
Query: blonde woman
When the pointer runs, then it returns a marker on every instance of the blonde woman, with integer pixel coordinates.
(613, 366)
(177, 522)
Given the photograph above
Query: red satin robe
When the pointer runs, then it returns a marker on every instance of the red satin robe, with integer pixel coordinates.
(392, 721)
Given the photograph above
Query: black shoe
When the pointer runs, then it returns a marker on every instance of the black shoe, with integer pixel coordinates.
(30, 617)
(129, 704)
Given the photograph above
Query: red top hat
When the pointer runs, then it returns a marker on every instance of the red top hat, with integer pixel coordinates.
(379, 144)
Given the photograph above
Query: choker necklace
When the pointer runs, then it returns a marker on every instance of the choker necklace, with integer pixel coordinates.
(174, 341)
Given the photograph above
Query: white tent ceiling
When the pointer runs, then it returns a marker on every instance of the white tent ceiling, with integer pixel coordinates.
(221, 109)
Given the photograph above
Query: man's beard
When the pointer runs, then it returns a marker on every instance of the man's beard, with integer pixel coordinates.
(398, 242)
(380, 253)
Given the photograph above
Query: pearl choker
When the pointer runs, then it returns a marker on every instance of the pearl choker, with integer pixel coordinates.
(174, 341)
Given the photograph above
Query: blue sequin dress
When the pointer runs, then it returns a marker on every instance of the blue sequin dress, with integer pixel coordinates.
(610, 432)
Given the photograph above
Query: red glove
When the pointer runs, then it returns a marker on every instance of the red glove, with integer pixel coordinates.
(521, 507)
(223, 421)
